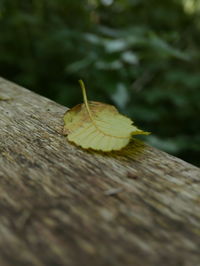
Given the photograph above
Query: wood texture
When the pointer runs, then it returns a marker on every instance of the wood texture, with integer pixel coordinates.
(61, 205)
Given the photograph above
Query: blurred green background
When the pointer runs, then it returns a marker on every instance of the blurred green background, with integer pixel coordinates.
(142, 56)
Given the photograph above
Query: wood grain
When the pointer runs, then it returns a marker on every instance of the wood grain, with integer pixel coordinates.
(61, 205)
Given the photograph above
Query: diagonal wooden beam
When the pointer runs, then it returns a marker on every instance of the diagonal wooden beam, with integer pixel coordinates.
(61, 205)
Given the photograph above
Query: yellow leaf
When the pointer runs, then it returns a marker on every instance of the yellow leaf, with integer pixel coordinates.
(98, 126)
(2, 98)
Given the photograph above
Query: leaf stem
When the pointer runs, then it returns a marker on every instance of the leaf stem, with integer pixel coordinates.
(85, 97)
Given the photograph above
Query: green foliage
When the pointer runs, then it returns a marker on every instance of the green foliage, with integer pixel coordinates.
(141, 55)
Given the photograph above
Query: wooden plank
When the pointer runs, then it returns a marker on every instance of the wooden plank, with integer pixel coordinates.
(61, 205)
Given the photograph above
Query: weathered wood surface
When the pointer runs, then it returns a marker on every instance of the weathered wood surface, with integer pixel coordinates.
(61, 205)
